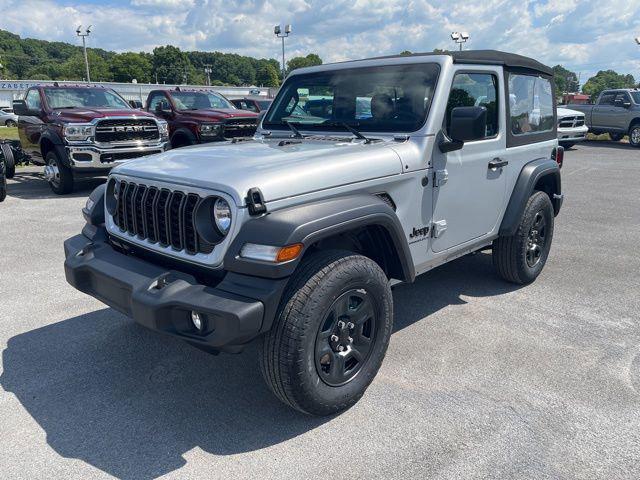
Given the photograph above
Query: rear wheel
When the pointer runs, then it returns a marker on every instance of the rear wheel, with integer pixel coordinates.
(3, 183)
(9, 160)
(11, 124)
(331, 334)
(59, 176)
(634, 135)
(520, 258)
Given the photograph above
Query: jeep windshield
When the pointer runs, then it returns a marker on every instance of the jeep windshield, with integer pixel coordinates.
(59, 98)
(199, 101)
(393, 98)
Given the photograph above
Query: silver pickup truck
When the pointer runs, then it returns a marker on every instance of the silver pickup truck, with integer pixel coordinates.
(616, 112)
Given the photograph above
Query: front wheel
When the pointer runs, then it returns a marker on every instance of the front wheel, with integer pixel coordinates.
(520, 258)
(634, 135)
(59, 176)
(331, 334)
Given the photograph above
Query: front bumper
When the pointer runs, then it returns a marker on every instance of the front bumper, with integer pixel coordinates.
(95, 157)
(575, 134)
(161, 299)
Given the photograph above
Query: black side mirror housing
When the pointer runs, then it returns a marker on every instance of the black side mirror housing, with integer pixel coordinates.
(20, 108)
(467, 124)
(163, 108)
(137, 104)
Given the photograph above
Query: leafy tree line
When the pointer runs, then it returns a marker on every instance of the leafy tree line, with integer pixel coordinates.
(27, 58)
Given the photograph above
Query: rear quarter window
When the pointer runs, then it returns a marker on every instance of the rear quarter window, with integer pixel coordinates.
(530, 104)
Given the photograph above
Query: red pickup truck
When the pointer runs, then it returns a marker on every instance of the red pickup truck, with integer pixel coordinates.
(83, 131)
(200, 116)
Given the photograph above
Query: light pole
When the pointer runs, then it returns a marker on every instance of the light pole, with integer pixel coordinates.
(460, 38)
(638, 40)
(208, 71)
(277, 30)
(84, 46)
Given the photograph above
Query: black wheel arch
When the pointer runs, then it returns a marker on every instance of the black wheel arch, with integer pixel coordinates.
(542, 174)
(185, 136)
(51, 141)
(363, 223)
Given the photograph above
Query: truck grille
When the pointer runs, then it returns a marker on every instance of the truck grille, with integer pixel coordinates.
(240, 127)
(161, 216)
(571, 122)
(127, 130)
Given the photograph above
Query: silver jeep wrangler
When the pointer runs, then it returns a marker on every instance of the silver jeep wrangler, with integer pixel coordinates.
(361, 175)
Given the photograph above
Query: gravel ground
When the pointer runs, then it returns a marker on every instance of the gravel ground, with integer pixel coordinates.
(482, 379)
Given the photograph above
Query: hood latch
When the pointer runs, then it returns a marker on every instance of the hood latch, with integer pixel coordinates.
(255, 202)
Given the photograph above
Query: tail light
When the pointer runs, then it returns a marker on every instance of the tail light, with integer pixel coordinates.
(558, 155)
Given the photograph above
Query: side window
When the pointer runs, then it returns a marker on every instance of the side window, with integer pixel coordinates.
(33, 100)
(475, 90)
(156, 99)
(621, 98)
(607, 98)
(530, 104)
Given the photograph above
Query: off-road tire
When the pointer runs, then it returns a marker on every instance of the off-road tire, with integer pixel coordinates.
(9, 160)
(287, 353)
(65, 183)
(510, 252)
(634, 135)
(616, 137)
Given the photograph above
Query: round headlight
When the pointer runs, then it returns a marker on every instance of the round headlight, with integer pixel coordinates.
(222, 215)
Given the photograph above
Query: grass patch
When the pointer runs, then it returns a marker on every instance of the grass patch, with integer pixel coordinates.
(8, 133)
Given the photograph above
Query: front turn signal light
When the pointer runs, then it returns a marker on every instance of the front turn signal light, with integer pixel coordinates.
(270, 253)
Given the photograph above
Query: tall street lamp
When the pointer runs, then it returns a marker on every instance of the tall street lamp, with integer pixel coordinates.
(277, 30)
(460, 38)
(84, 46)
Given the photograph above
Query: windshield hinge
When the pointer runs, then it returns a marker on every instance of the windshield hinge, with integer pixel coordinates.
(440, 177)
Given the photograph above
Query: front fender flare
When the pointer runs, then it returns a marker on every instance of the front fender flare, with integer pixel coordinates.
(312, 222)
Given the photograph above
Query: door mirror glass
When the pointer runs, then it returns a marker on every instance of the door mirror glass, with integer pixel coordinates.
(468, 123)
(163, 107)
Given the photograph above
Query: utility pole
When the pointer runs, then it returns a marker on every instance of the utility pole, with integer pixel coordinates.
(208, 71)
(277, 30)
(84, 46)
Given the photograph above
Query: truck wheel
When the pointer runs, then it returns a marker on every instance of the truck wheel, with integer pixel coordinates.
(9, 160)
(11, 124)
(616, 137)
(3, 184)
(331, 334)
(59, 176)
(521, 257)
(634, 135)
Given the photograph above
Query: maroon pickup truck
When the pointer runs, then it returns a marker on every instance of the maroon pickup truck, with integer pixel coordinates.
(83, 131)
(200, 116)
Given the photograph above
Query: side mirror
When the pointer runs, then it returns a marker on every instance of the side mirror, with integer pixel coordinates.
(20, 108)
(467, 124)
(135, 104)
(163, 108)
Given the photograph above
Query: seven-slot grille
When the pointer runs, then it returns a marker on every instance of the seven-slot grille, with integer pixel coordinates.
(240, 127)
(161, 216)
(571, 122)
(127, 130)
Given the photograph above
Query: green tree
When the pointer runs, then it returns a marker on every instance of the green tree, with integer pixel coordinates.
(405, 53)
(127, 66)
(566, 80)
(171, 65)
(74, 68)
(300, 62)
(605, 79)
(268, 76)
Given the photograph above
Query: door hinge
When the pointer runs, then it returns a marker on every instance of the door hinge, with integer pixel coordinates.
(440, 177)
(438, 228)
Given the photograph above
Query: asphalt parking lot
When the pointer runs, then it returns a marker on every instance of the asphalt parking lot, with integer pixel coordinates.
(482, 379)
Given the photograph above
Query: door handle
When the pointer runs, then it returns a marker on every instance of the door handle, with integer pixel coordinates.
(497, 163)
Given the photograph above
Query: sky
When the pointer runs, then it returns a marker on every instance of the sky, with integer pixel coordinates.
(583, 35)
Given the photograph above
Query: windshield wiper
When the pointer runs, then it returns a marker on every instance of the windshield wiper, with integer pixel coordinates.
(296, 132)
(355, 132)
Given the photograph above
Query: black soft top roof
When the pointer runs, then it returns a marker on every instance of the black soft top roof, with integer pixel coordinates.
(490, 57)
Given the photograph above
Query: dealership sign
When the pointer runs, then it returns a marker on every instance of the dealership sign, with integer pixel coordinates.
(13, 85)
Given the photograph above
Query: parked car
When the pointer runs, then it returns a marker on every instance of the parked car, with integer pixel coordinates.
(8, 118)
(571, 127)
(616, 112)
(295, 237)
(200, 116)
(255, 105)
(82, 131)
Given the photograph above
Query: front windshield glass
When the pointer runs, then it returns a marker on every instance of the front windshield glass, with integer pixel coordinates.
(392, 98)
(636, 97)
(84, 98)
(199, 100)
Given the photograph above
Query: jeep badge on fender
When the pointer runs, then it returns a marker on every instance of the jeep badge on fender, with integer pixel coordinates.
(360, 175)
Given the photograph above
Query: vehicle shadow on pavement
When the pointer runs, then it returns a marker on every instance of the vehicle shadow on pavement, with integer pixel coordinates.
(132, 402)
(33, 186)
(607, 144)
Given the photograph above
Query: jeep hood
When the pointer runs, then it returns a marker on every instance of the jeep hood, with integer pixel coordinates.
(73, 115)
(279, 171)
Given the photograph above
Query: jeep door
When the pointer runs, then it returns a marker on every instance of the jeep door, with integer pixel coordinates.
(469, 204)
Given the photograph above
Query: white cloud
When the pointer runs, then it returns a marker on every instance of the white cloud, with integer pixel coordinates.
(584, 36)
